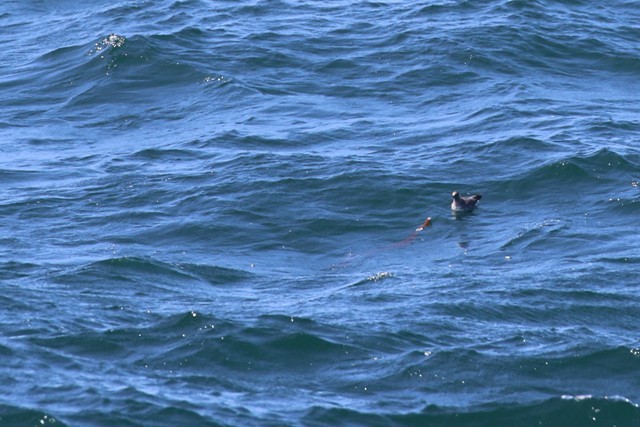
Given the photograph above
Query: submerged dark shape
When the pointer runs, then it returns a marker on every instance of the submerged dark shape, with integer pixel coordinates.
(464, 204)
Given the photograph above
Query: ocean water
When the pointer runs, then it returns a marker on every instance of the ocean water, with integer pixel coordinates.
(209, 213)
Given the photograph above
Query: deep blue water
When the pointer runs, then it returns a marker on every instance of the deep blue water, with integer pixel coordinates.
(209, 213)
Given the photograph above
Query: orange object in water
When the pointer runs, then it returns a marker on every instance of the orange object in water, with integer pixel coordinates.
(426, 223)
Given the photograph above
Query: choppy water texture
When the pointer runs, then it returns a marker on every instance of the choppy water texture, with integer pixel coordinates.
(208, 213)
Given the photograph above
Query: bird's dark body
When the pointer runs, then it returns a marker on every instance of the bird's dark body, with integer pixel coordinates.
(464, 204)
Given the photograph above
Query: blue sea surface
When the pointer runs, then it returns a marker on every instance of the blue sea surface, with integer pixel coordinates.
(211, 210)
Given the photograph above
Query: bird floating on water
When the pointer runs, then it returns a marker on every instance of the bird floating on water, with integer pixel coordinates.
(464, 204)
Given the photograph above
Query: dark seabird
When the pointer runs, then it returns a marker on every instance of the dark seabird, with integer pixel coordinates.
(464, 204)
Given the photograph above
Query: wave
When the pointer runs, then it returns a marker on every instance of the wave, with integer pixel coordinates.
(145, 414)
(536, 234)
(277, 353)
(122, 270)
(561, 412)
(273, 344)
(149, 74)
(593, 173)
(18, 416)
(173, 277)
(16, 270)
